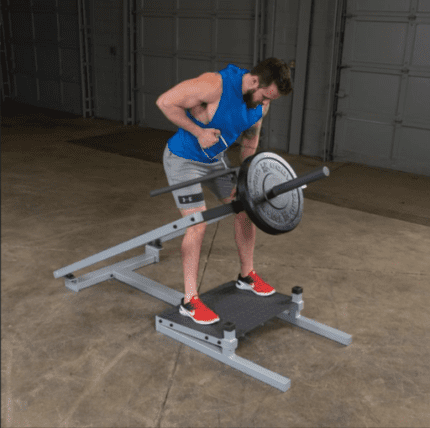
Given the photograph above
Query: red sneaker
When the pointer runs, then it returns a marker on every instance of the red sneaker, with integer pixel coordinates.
(198, 311)
(254, 283)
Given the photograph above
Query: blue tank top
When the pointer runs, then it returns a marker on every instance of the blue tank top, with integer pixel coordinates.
(231, 118)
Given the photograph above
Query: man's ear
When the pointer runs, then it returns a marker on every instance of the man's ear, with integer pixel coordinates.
(255, 82)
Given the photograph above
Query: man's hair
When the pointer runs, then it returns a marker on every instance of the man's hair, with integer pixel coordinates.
(274, 70)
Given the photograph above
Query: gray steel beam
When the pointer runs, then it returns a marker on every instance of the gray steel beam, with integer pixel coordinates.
(132, 63)
(125, 80)
(227, 356)
(300, 76)
(5, 80)
(88, 87)
(317, 328)
(148, 286)
(60, 55)
(84, 60)
(33, 31)
(163, 233)
(95, 98)
(256, 33)
(333, 74)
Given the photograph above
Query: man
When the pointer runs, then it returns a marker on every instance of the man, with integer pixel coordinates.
(212, 111)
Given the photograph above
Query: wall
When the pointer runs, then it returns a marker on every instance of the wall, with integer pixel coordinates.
(43, 41)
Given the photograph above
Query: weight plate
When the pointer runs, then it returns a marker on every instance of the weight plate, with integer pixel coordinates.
(259, 174)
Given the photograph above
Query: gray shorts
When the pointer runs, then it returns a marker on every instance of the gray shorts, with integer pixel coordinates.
(179, 169)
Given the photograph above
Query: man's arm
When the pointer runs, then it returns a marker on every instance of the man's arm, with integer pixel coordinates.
(186, 95)
(251, 137)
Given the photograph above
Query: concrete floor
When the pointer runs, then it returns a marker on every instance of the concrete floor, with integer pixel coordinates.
(94, 359)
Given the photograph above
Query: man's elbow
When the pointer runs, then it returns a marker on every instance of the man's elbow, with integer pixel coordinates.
(250, 144)
(250, 139)
(159, 102)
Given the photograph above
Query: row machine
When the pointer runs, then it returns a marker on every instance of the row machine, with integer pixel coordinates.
(271, 193)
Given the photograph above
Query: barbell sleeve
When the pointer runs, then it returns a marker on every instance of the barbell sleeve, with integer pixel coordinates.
(314, 175)
(234, 207)
(194, 181)
(237, 206)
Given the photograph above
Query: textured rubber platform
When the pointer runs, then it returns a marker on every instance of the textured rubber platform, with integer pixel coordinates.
(243, 308)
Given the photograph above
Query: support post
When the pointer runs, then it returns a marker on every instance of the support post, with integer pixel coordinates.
(125, 62)
(300, 76)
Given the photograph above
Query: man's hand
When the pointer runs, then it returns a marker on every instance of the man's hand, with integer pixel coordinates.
(209, 137)
(232, 196)
(233, 193)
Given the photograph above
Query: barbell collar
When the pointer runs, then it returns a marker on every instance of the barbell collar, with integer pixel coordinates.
(314, 175)
(194, 181)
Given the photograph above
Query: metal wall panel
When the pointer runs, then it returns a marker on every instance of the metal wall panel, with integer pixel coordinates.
(69, 36)
(45, 27)
(383, 111)
(45, 6)
(69, 6)
(70, 98)
(44, 45)
(50, 94)
(25, 60)
(424, 6)
(181, 40)
(391, 6)
(107, 24)
(22, 25)
(5, 60)
(70, 64)
(21, 6)
(48, 62)
(26, 89)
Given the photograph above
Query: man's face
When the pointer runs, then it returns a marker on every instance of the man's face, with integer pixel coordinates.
(254, 97)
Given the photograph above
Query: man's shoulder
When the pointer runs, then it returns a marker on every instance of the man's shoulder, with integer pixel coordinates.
(212, 80)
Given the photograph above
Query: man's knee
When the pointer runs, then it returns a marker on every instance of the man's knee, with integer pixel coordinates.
(194, 236)
(188, 211)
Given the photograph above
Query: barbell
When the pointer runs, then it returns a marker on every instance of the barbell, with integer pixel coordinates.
(268, 190)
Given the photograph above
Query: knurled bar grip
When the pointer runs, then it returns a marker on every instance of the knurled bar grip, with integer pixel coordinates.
(194, 181)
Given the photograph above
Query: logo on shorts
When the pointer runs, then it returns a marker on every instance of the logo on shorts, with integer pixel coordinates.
(190, 199)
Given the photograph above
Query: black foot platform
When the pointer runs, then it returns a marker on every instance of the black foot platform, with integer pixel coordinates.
(245, 309)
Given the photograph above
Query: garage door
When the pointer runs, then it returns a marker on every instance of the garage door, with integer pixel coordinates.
(107, 48)
(181, 40)
(45, 53)
(383, 112)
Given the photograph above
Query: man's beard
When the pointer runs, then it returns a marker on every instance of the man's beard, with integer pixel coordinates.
(247, 97)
